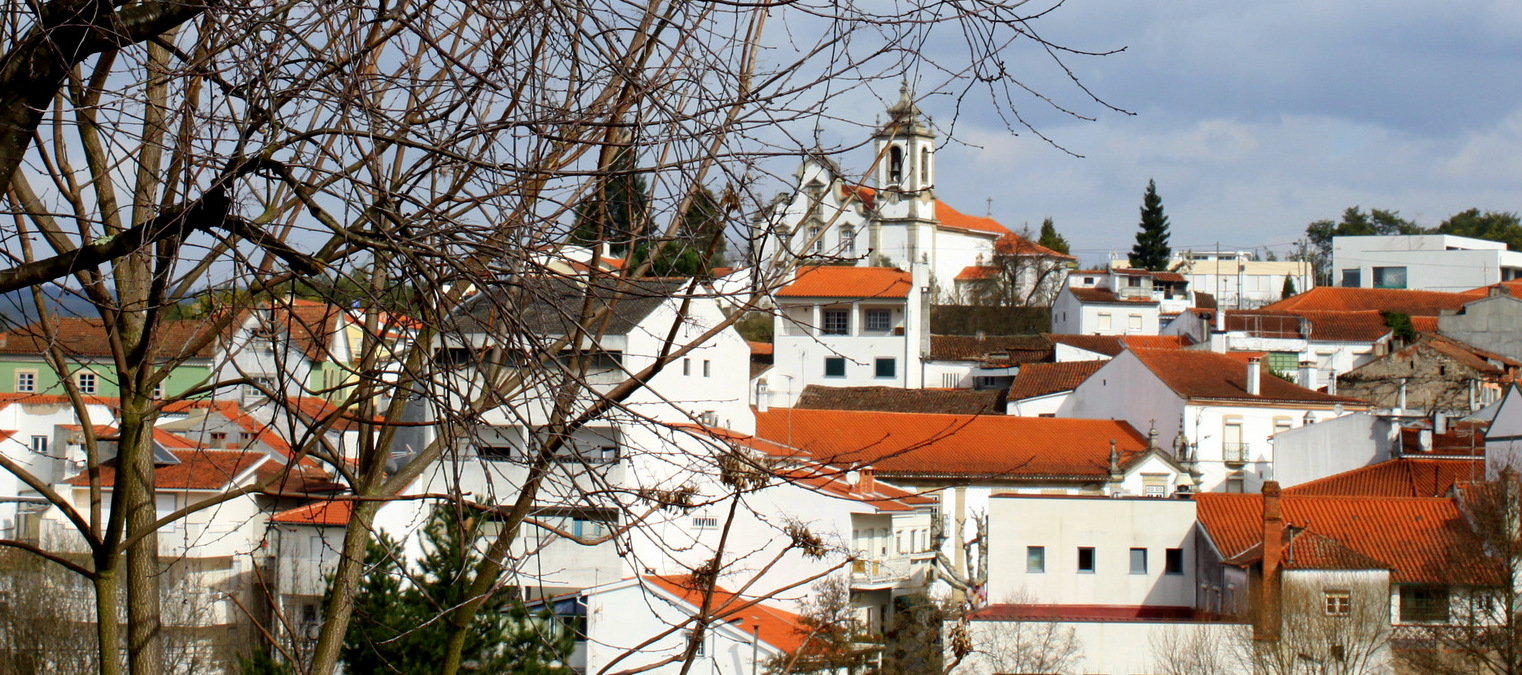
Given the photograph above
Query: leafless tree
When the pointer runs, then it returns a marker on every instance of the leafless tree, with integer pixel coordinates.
(1019, 646)
(400, 157)
(1020, 273)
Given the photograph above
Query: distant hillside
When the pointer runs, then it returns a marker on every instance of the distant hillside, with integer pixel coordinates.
(18, 308)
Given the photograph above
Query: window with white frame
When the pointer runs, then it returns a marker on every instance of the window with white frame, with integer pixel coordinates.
(40, 445)
(1134, 322)
(1337, 602)
(837, 322)
(1104, 321)
(26, 381)
(85, 381)
(879, 320)
(847, 240)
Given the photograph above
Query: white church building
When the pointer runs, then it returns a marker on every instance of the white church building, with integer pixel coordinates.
(832, 218)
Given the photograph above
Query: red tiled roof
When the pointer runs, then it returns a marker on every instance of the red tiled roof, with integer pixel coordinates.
(834, 281)
(956, 446)
(307, 478)
(1513, 287)
(774, 626)
(1015, 349)
(197, 470)
(864, 195)
(950, 218)
(324, 513)
(78, 336)
(1040, 379)
(1109, 345)
(1196, 374)
(1335, 299)
(1104, 296)
(1169, 277)
(898, 399)
(1103, 613)
(976, 273)
(1414, 538)
(1463, 439)
(1155, 341)
(1305, 550)
(1405, 477)
(760, 348)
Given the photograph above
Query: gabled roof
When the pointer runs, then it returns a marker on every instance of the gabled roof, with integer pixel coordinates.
(197, 470)
(952, 219)
(77, 336)
(322, 513)
(976, 273)
(777, 627)
(1414, 538)
(1513, 287)
(1112, 345)
(1198, 374)
(836, 281)
(1405, 477)
(958, 447)
(898, 399)
(1304, 550)
(551, 306)
(1015, 349)
(760, 348)
(1104, 296)
(1464, 438)
(1041, 379)
(1336, 299)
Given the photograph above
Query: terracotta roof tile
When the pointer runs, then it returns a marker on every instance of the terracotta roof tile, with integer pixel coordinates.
(78, 336)
(197, 470)
(897, 399)
(976, 273)
(1405, 477)
(953, 219)
(1197, 374)
(1040, 379)
(1104, 296)
(834, 281)
(1463, 439)
(1305, 550)
(1414, 538)
(324, 513)
(1331, 298)
(993, 447)
(1109, 345)
(1015, 349)
(760, 348)
(774, 626)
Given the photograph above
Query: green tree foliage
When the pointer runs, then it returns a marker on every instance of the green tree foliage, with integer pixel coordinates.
(1151, 251)
(1289, 288)
(912, 643)
(261, 663)
(699, 246)
(618, 208)
(1050, 239)
(1399, 324)
(833, 641)
(397, 626)
(1499, 226)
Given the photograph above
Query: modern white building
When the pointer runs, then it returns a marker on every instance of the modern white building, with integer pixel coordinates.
(1107, 304)
(1434, 262)
(1237, 281)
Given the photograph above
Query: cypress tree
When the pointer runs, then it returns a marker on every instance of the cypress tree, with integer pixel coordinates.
(1151, 250)
(1289, 288)
(1050, 238)
(618, 206)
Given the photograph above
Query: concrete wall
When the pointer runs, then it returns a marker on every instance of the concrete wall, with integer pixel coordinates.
(1313, 451)
(1071, 317)
(624, 617)
(1112, 526)
(1118, 648)
(1493, 324)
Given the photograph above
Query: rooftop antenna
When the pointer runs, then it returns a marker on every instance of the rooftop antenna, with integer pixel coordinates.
(990, 207)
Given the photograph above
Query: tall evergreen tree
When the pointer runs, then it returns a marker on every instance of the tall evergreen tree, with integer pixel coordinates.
(700, 244)
(397, 627)
(1151, 250)
(618, 207)
(1052, 240)
(1288, 290)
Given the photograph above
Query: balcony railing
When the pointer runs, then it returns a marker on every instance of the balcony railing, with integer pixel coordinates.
(1235, 453)
(890, 570)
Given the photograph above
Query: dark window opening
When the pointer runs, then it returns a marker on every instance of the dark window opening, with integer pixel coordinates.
(834, 366)
(1173, 561)
(1086, 559)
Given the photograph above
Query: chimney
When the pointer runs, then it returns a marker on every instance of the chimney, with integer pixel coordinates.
(1331, 382)
(763, 397)
(867, 482)
(1308, 375)
(1254, 376)
(1424, 440)
(1439, 423)
(1273, 544)
(1220, 320)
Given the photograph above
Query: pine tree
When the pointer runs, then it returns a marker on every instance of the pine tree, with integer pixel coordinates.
(617, 209)
(1151, 250)
(1289, 288)
(689, 254)
(1050, 238)
(397, 628)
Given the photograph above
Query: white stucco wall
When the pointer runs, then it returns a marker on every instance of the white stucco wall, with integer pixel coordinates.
(1433, 262)
(1313, 451)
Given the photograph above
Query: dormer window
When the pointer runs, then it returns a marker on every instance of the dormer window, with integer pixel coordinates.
(895, 164)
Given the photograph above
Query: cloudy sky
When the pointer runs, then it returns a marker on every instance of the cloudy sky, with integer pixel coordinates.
(1254, 118)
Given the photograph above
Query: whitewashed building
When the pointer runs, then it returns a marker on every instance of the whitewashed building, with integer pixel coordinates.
(1433, 262)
